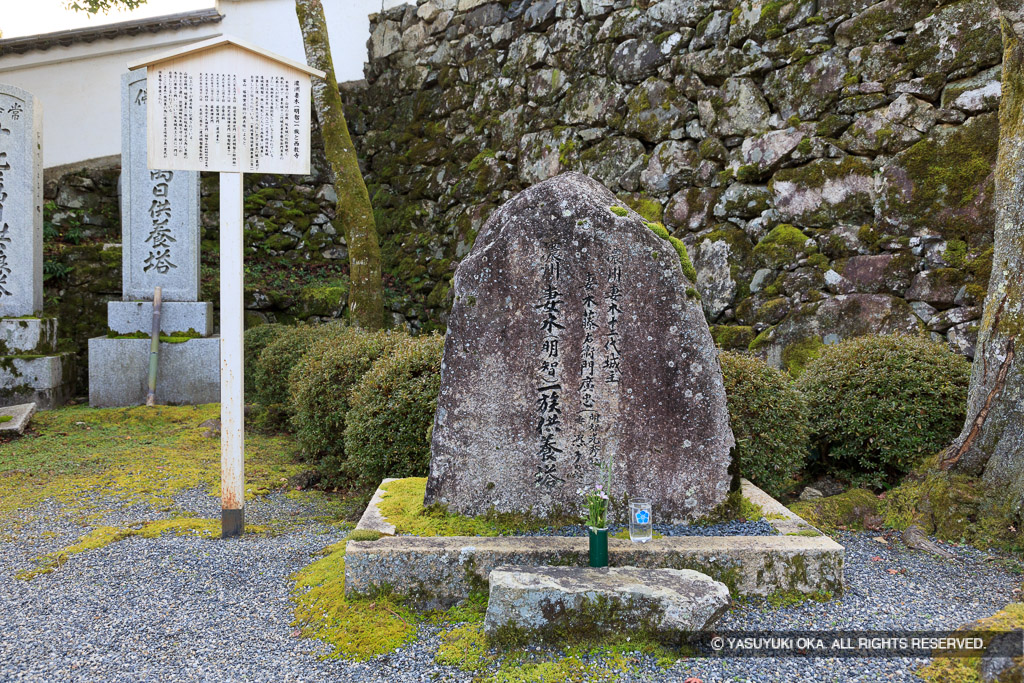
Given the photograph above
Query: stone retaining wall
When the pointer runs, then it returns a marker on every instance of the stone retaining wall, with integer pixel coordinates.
(827, 162)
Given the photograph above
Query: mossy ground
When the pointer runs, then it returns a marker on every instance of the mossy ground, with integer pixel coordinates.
(403, 507)
(80, 456)
(964, 669)
(103, 536)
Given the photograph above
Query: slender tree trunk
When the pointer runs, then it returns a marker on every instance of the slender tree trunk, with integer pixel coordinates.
(992, 441)
(366, 296)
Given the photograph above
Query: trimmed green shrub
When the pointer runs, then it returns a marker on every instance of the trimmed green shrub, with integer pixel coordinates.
(878, 405)
(274, 366)
(769, 421)
(391, 413)
(319, 387)
(255, 340)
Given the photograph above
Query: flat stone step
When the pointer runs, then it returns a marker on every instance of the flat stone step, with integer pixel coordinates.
(564, 603)
(20, 416)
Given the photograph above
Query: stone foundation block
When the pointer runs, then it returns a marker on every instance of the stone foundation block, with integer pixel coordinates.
(47, 381)
(14, 419)
(129, 317)
(189, 372)
(561, 603)
(28, 336)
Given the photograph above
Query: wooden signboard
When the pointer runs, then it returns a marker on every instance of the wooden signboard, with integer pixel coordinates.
(225, 105)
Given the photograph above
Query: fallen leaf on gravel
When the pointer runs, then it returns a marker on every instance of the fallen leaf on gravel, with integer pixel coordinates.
(880, 539)
(876, 558)
(893, 571)
(693, 679)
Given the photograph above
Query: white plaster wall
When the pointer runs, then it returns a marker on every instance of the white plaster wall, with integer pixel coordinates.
(79, 86)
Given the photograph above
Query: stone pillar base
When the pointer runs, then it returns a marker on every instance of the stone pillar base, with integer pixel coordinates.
(129, 317)
(31, 370)
(189, 372)
(47, 381)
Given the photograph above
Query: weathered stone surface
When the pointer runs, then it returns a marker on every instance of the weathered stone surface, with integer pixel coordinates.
(945, 181)
(591, 100)
(824, 192)
(129, 317)
(372, 519)
(877, 274)
(807, 90)
(547, 603)
(21, 203)
(438, 572)
(766, 153)
(159, 209)
(712, 260)
(19, 418)
(47, 381)
(692, 208)
(28, 336)
(672, 166)
(892, 129)
(615, 162)
(740, 109)
(524, 419)
(655, 110)
(976, 94)
(189, 372)
(935, 287)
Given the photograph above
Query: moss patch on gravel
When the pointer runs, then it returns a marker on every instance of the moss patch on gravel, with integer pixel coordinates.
(143, 455)
(964, 669)
(103, 536)
(467, 648)
(848, 510)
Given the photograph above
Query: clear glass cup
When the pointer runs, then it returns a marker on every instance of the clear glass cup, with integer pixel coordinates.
(640, 520)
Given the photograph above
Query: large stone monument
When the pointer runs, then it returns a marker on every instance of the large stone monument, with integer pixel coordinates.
(575, 340)
(31, 370)
(160, 243)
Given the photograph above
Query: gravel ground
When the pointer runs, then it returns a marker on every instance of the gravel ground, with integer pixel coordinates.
(182, 609)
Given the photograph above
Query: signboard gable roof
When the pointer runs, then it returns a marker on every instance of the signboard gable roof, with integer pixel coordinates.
(219, 41)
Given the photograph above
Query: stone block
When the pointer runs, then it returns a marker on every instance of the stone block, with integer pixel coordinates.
(19, 417)
(21, 203)
(575, 336)
(550, 603)
(189, 372)
(47, 381)
(159, 209)
(372, 519)
(438, 572)
(129, 317)
(21, 336)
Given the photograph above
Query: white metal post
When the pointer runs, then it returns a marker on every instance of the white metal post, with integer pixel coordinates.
(232, 386)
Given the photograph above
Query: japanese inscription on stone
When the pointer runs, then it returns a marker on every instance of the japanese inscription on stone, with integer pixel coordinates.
(21, 212)
(229, 110)
(573, 346)
(160, 210)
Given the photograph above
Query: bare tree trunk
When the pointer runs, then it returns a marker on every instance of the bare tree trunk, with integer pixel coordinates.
(366, 296)
(992, 441)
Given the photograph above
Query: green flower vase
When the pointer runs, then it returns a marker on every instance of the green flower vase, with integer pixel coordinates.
(598, 547)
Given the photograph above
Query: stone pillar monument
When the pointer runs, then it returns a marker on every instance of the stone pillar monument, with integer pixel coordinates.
(31, 370)
(160, 242)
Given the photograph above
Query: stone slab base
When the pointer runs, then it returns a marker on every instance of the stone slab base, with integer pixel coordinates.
(372, 519)
(129, 317)
(438, 572)
(559, 603)
(189, 372)
(20, 416)
(33, 336)
(47, 381)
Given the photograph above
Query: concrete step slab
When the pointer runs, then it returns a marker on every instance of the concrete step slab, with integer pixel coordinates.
(556, 604)
(20, 416)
